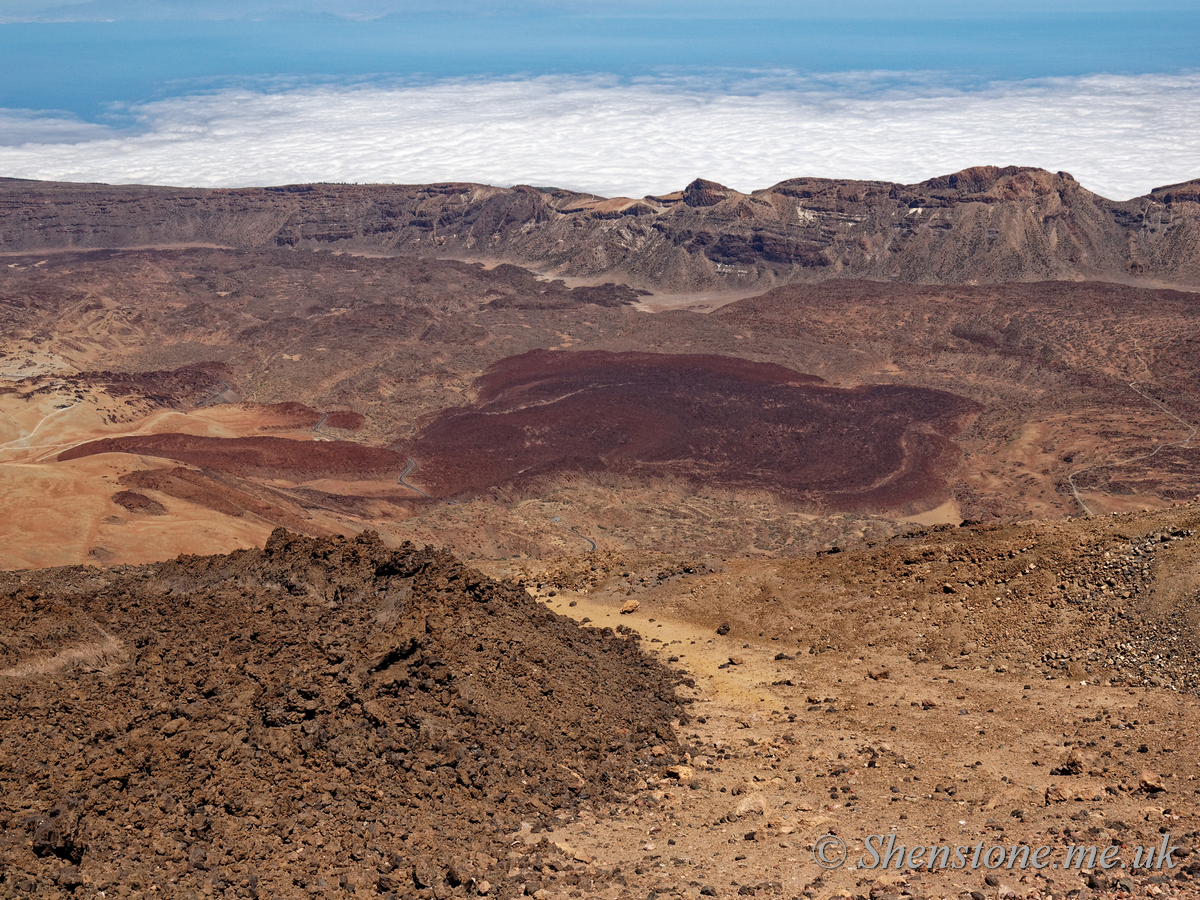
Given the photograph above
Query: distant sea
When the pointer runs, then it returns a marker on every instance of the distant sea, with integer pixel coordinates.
(93, 69)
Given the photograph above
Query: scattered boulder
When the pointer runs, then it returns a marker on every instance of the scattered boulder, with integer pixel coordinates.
(683, 774)
(1151, 782)
(1078, 762)
(1055, 794)
(753, 804)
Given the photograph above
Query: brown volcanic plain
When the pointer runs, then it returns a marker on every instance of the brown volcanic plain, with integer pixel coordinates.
(1082, 397)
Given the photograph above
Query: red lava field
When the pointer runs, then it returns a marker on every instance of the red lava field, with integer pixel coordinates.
(252, 456)
(707, 419)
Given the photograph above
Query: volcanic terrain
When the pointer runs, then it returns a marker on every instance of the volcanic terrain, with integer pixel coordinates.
(838, 508)
(328, 716)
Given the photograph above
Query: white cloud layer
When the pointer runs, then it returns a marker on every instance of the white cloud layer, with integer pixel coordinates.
(1119, 135)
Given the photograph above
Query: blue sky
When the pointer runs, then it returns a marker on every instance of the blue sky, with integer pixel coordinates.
(608, 96)
(77, 10)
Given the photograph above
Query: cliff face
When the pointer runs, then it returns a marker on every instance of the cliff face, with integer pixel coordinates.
(984, 224)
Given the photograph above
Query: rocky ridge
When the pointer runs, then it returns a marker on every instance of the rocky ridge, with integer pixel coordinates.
(985, 224)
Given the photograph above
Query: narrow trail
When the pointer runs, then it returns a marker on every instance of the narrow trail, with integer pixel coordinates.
(325, 434)
(35, 428)
(224, 387)
(557, 520)
(412, 464)
(1133, 385)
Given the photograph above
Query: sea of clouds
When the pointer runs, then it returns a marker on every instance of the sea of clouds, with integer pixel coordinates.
(1118, 135)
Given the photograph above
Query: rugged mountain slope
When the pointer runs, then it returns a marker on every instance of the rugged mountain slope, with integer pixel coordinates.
(984, 224)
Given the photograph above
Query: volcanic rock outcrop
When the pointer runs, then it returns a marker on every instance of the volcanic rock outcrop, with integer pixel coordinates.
(319, 714)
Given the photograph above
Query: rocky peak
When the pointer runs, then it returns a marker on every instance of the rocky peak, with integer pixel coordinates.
(706, 193)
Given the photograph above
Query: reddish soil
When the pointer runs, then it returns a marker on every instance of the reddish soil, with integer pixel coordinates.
(209, 491)
(289, 414)
(705, 419)
(270, 457)
(346, 419)
(175, 387)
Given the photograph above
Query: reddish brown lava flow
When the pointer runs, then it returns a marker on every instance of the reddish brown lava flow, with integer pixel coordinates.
(707, 419)
(269, 457)
(715, 420)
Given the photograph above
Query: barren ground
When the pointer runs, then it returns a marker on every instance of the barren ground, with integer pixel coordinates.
(309, 719)
(1016, 685)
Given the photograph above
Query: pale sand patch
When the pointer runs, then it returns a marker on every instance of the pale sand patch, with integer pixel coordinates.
(698, 301)
(62, 514)
(948, 513)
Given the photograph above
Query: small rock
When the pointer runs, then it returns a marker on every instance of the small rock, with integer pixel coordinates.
(878, 673)
(751, 804)
(736, 660)
(1077, 762)
(484, 887)
(723, 628)
(1012, 797)
(68, 877)
(683, 773)
(198, 857)
(630, 606)
(1055, 794)
(1151, 782)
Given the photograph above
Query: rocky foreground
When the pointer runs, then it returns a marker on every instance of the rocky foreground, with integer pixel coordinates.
(327, 717)
(319, 716)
